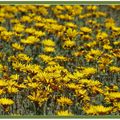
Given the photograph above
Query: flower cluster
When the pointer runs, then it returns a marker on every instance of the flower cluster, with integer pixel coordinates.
(59, 60)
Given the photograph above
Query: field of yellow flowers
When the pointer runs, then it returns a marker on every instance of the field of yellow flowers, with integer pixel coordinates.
(59, 60)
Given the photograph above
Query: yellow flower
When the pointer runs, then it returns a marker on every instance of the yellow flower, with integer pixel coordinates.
(6, 35)
(34, 96)
(11, 89)
(14, 77)
(80, 93)
(19, 28)
(17, 46)
(38, 97)
(64, 113)
(2, 92)
(46, 58)
(116, 29)
(97, 110)
(101, 35)
(78, 74)
(64, 101)
(93, 55)
(24, 57)
(30, 40)
(92, 22)
(107, 47)
(39, 25)
(117, 105)
(109, 23)
(12, 59)
(65, 17)
(116, 53)
(72, 86)
(52, 63)
(69, 44)
(114, 95)
(39, 33)
(100, 14)
(71, 33)
(49, 49)
(95, 52)
(90, 82)
(116, 43)
(85, 30)
(6, 101)
(32, 68)
(48, 42)
(2, 28)
(53, 28)
(115, 7)
(30, 30)
(18, 66)
(92, 7)
(3, 83)
(105, 61)
(61, 58)
(89, 71)
(33, 85)
(86, 37)
(96, 90)
(25, 19)
(70, 24)
(114, 69)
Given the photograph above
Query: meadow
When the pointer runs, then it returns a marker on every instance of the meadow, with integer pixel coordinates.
(60, 60)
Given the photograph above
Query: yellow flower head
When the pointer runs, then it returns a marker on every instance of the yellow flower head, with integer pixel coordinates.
(101, 35)
(97, 110)
(30, 40)
(6, 101)
(64, 101)
(89, 71)
(107, 47)
(14, 77)
(12, 90)
(70, 24)
(114, 69)
(71, 33)
(69, 44)
(19, 28)
(61, 58)
(114, 95)
(3, 83)
(92, 7)
(49, 49)
(17, 46)
(85, 30)
(64, 113)
(24, 57)
(45, 58)
(48, 42)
